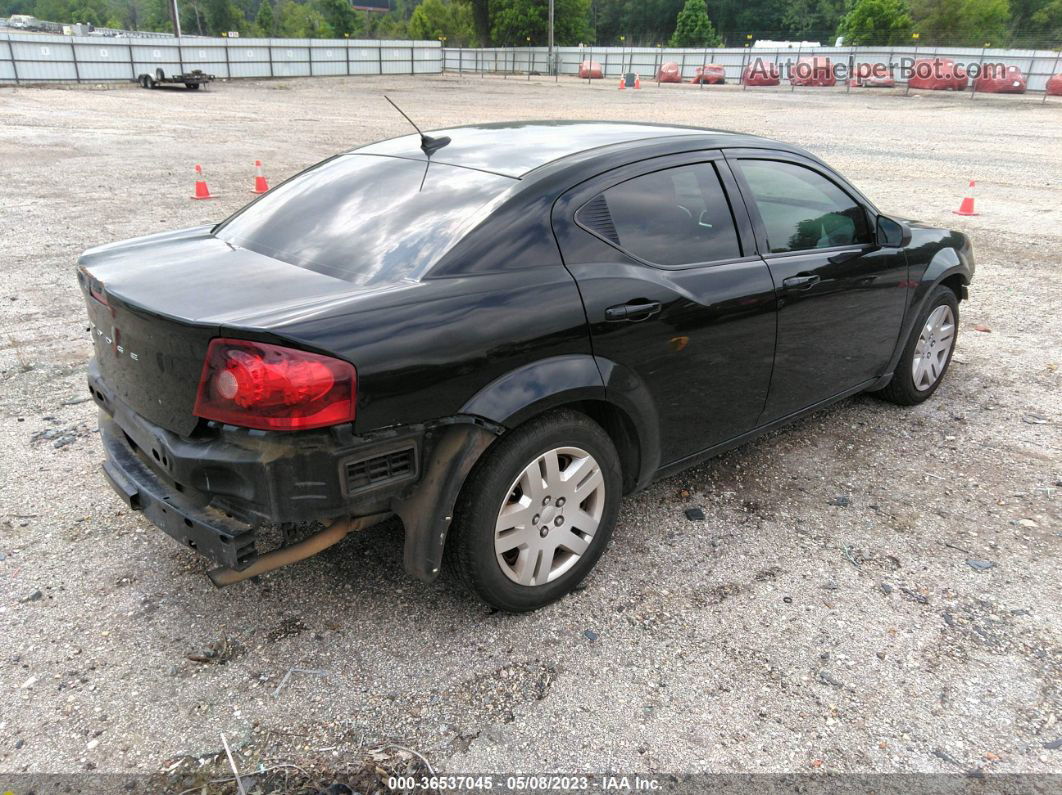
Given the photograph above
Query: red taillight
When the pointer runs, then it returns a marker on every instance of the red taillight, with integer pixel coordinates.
(258, 385)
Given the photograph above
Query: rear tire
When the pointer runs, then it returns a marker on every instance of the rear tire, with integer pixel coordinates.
(928, 351)
(149, 81)
(536, 512)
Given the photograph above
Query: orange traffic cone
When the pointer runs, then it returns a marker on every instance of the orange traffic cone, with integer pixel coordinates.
(637, 82)
(622, 84)
(967, 206)
(260, 184)
(201, 189)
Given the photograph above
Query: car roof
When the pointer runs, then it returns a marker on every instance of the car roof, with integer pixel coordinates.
(514, 149)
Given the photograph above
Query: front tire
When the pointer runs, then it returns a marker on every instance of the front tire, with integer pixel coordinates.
(928, 351)
(537, 512)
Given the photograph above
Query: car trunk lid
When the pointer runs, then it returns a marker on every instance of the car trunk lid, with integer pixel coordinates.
(155, 303)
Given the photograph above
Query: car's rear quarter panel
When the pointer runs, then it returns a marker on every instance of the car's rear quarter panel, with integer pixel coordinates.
(423, 352)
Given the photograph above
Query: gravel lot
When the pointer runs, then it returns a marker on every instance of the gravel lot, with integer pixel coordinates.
(824, 616)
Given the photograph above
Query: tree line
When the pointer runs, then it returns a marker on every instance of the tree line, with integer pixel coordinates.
(693, 23)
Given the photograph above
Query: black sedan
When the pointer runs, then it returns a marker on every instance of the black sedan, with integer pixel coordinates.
(495, 332)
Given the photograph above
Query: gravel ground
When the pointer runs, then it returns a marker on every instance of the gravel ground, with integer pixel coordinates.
(824, 616)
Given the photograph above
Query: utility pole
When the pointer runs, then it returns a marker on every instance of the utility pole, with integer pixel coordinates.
(551, 65)
(175, 17)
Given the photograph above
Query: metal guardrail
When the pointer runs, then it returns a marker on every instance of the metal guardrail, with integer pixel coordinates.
(43, 58)
(1037, 65)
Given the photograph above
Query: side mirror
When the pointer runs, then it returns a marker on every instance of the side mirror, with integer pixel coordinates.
(891, 234)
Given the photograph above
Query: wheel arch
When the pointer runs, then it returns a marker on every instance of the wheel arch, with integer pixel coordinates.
(950, 261)
(534, 388)
(604, 391)
(610, 394)
(956, 282)
(619, 426)
(948, 268)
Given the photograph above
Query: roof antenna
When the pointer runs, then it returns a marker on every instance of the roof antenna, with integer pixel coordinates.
(428, 144)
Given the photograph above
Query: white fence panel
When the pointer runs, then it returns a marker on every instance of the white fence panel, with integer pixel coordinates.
(147, 60)
(329, 58)
(102, 59)
(33, 58)
(365, 60)
(44, 58)
(396, 60)
(7, 63)
(207, 56)
(291, 58)
(251, 59)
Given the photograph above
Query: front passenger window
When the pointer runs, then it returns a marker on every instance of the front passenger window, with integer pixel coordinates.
(801, 209)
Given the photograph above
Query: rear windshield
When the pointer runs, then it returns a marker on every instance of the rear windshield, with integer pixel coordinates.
(365, 218)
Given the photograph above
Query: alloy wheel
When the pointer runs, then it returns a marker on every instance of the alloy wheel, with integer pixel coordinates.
(933, 348)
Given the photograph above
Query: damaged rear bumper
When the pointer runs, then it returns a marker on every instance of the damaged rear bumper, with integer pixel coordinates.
(230, 494)
(216, 535)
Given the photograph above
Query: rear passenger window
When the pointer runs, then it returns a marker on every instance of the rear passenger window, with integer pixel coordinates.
(801, 209)
(679, 216)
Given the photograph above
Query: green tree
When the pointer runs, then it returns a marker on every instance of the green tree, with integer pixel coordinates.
(391, 25)
(263, 20)
(193, 17)
(481, 20)
(876, 22)
(52, 10)
(339, 16)
(1048, 21)
(9, 7)
(1023, 13)
(812, 19)
(513, 22)
(93, 12)
(693, 28)
(128, 14)
(640, 22)
(220, 16)
(762, 19)
(962, 23)
(450, 18)
(301, 21)
(155, 15)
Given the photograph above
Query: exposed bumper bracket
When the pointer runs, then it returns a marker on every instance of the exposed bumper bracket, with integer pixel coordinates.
(206, 530)
(304, 549)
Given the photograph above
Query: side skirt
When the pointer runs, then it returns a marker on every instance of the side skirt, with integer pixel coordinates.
(685, 463)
